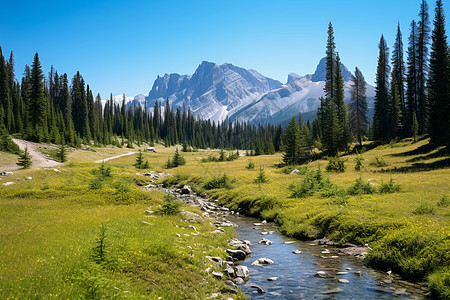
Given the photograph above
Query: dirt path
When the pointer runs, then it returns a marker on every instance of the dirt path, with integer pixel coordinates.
(39, 160)
(114, 157)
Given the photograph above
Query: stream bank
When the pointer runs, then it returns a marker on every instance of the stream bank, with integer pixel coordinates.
(300, 270)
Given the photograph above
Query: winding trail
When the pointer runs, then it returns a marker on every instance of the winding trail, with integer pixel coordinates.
(114, 157)
(38, 159)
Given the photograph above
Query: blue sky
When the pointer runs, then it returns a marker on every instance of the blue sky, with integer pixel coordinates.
(121, 46)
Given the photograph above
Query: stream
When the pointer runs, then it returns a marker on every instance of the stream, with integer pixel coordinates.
(296, 272)
(314, 272)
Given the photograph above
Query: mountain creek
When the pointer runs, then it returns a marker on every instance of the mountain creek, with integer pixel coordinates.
(279, 267)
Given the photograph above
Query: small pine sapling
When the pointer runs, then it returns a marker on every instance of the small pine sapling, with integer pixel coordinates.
(25, 159)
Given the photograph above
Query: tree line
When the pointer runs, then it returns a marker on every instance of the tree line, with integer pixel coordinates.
(55, 110)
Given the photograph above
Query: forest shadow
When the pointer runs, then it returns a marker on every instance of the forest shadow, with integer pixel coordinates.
(424, 149)
(419, 167)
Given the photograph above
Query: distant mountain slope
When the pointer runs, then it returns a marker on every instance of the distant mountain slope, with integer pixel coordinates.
(218, 92)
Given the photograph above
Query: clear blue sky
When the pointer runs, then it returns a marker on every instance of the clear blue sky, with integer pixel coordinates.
(121, 46)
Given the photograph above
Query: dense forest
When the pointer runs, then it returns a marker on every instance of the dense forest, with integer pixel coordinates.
(412, 98)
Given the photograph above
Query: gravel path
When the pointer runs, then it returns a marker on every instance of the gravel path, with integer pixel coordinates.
(39, 160)
(114, 157)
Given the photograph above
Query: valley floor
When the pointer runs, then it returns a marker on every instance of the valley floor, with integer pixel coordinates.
(53, 221)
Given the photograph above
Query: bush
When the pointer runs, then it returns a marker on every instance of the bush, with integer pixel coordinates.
(262, 178)
(312, 182)
(358, 165)
(218, 182)
(439, 283)
(250, 165)
(444, 201)
(335, 164)
(424, 209)
(378, 162)
(389, 187)
(6, 143)
(177, 160)
(170, 206)
(221, 157)
(361, 187)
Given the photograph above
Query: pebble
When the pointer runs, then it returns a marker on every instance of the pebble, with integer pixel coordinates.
(296, 251)
(343, 280)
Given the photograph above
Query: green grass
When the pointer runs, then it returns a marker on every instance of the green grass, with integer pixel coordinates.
(385, 208)
(57, 215)
(50, 228)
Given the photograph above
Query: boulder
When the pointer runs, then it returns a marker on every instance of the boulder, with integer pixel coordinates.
(8, 183)
(237, 254)
(295, 171)
(239, 281)
(262, 262)
(258, 288)
(264, 241)
(217, 274)
(6, 173)
(230, 272)
(216, 260)
(186, 190)
(242, 272)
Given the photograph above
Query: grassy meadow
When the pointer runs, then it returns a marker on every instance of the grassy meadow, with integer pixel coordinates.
(398, 203)
(52, 227)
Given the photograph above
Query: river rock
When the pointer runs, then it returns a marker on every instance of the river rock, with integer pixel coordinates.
(264, 241)
(262, 262)
(192, 217)
(186, 190)
(232, 287)
(216, 260)
(358, 273)
(241, 272)
(332, 291)
(258, 288)
(289, 242)
(237, 254)
(322, 274)
(297, 252)
(239, 281)
(342, 280)
(230, 272)
(272, 279)
(217, 274)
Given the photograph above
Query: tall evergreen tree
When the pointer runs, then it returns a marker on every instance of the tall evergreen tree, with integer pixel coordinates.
(380, 118)
(292, 143)
(411, 77)
(398, 71)
(37, 109)
(394, 113)
(423, 41)
(358, 106)
(80, 107)
(439, 81)
(343, 128)
(330, 64)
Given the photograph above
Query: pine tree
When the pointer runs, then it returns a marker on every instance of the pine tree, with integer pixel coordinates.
(62, 152)
(423, 41)
(37, 108)
(139, 160)
(411, 76)
(358, 105)
(291, 143)
(398, 71)
(439, 81)
(25, 159)
(343, 128)
(380, 118)
(330, 64)
(394, 111)
(5, 100)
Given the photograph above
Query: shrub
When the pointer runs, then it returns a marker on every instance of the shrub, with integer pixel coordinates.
(218, 182)
(262, 178)
(25, 159)
(250, 165)
(170, 206)
(361, 187)
(444, 201)
(424, 209)
(96, 183)
(312, 182)
(439, 283)
(335, 164)
(6, 143)
(378, 162)
(177, 160)
(389, 187)
(99, 251)
(358, 161)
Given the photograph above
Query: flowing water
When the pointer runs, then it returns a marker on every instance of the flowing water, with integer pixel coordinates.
(296, 272)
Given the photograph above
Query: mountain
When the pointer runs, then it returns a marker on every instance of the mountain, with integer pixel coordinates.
(218, 92)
